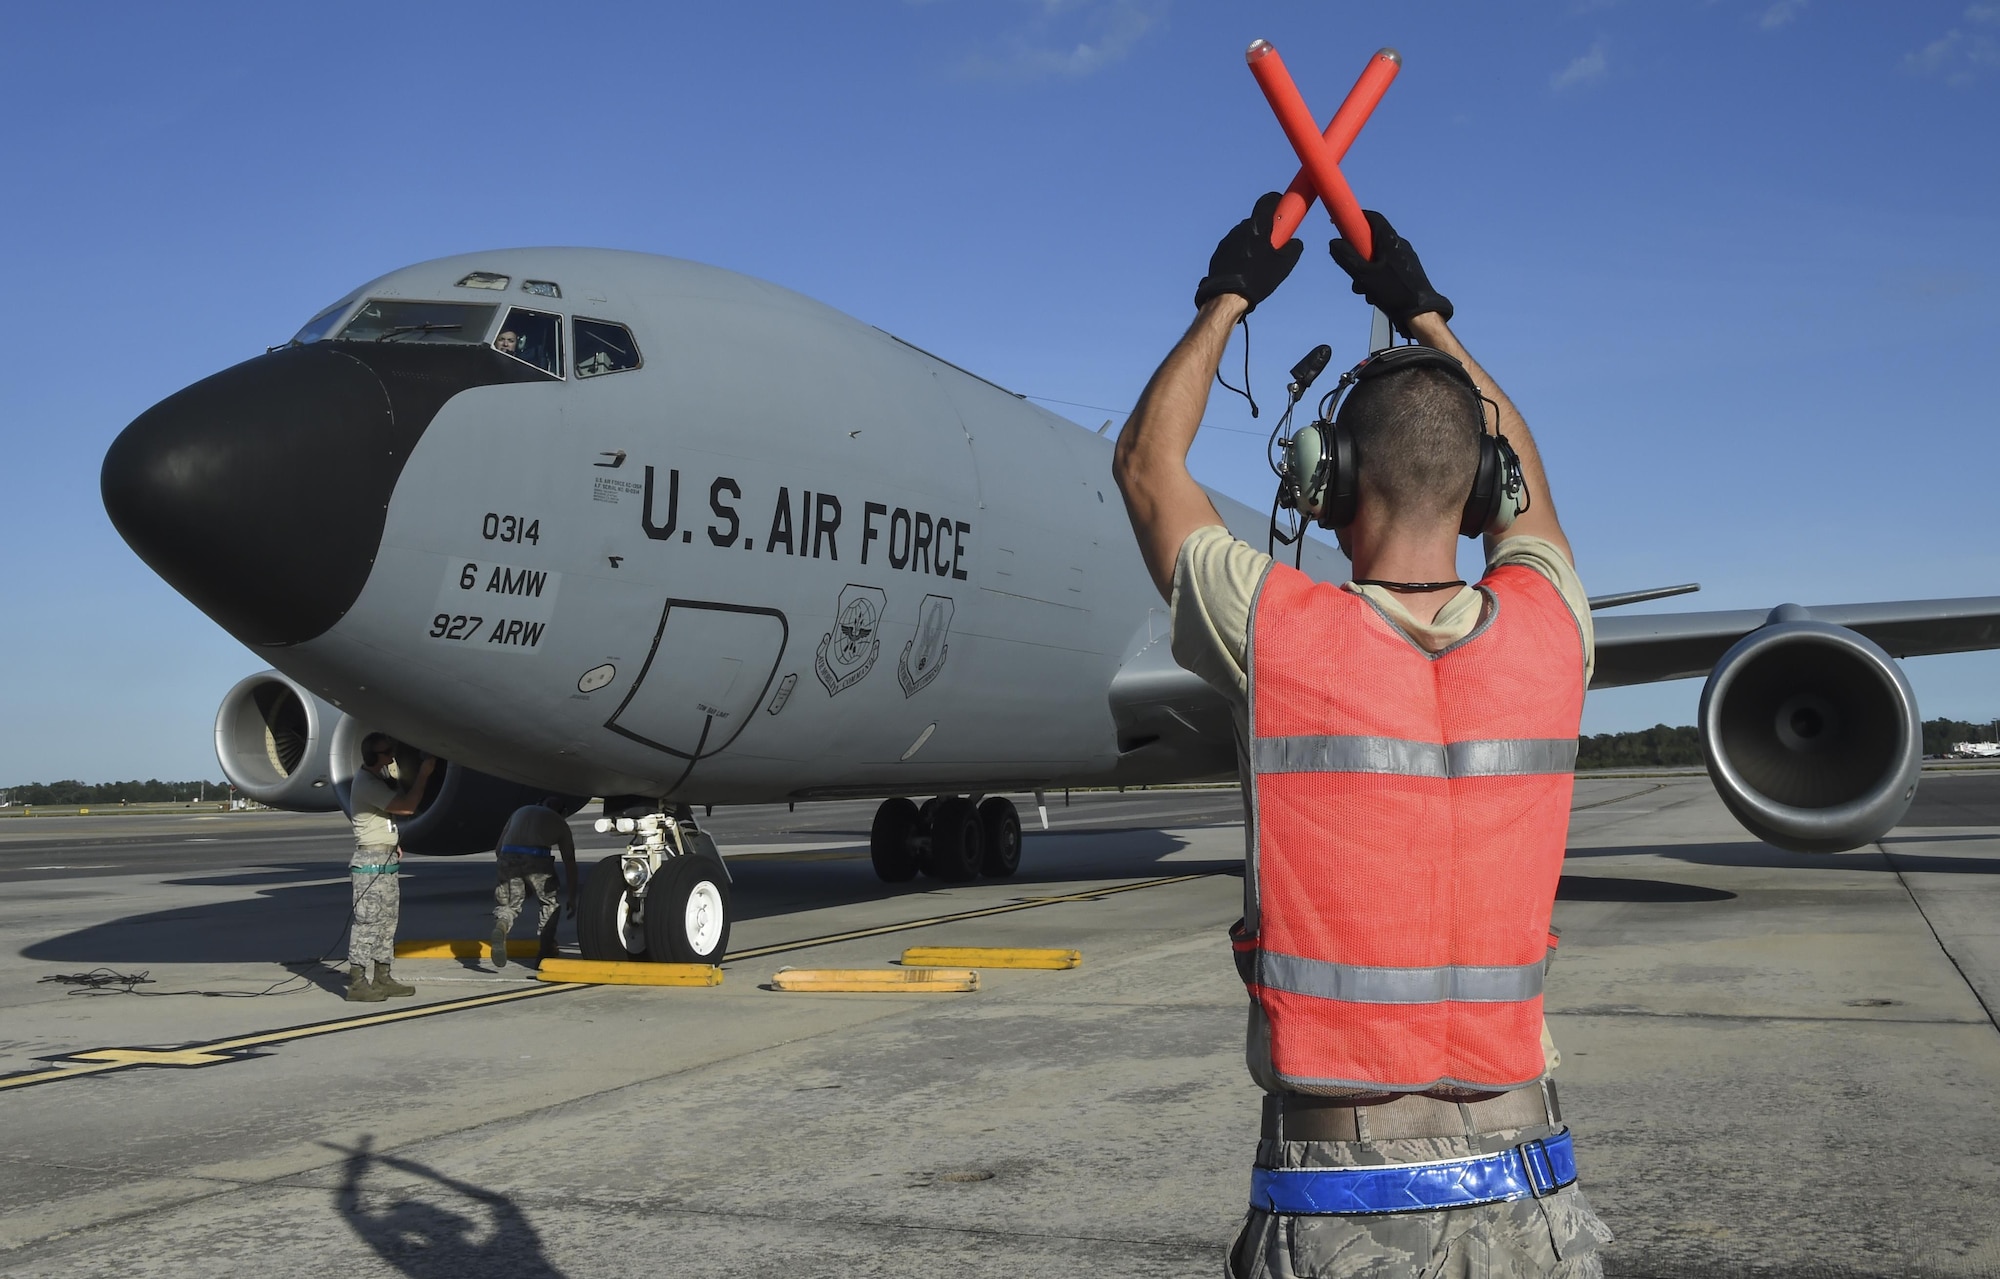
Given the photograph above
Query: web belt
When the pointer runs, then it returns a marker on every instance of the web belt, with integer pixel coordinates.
(1530, 1170)
(526, 851)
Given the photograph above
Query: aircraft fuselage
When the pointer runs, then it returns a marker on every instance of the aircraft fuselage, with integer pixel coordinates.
(777, 554)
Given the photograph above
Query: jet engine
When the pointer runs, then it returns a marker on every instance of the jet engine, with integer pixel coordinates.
(1812, 734)
(274, 741)
(461, 810)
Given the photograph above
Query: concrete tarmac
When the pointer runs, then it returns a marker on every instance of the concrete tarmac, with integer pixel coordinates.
(1775, 1064)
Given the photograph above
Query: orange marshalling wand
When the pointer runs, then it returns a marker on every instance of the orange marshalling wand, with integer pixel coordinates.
(1320, 154)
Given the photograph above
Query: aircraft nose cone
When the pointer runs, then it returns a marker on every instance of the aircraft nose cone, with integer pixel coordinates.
(260, 493)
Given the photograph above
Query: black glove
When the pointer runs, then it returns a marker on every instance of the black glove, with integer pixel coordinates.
(1393, 280)
(1245, 263)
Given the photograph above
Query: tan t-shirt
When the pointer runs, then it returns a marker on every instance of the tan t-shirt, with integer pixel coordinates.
(1215, 585)
(1216, 576)
(370, 797)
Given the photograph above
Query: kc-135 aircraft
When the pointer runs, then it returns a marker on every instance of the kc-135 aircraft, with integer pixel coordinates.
(594, 523)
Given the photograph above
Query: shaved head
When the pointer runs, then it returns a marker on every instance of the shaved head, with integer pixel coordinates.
(1416, 441)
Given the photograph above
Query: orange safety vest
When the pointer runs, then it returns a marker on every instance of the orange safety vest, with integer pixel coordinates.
(1411, 810)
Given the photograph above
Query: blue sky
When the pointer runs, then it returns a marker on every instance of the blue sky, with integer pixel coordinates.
(1733, 258)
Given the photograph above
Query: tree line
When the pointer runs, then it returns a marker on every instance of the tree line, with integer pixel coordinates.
(1662, 746)
(150, 791)
(1657, 747)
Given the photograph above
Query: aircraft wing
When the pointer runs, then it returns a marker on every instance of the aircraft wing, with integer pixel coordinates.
(1660, 646)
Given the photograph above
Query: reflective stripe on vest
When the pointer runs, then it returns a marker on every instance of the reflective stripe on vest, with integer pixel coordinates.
(1353, 983)
(1517, 757)
(1411, 811)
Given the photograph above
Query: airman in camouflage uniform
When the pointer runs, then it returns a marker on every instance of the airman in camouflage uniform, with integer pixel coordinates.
(527, 864)
(376, 801)
(1488, 1196)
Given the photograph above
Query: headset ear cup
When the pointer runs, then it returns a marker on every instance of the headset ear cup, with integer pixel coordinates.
(1482, 503)
(1343, 478)
(1511, 497)
(1304, 454)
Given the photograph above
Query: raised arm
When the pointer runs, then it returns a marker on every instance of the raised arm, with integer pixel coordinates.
(1150, 465)
(1394, 280)
(406, 801)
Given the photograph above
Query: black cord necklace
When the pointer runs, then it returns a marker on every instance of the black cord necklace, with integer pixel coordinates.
(1408, 587)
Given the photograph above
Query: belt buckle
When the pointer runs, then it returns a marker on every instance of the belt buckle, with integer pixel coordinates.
(1538, 1174)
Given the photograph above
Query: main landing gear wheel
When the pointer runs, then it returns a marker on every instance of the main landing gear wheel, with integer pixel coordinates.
(1002, 827)
(892, 841)
(958, 840)
(687, 912)
(607, 924)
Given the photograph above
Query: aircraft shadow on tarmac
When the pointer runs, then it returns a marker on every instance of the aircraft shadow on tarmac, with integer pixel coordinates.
(1751, 853)
(299, 909)
(1611, 888)
(447, 1227)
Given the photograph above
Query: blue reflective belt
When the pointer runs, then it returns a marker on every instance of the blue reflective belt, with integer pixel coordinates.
(526, 851)
(366, 869)
(1533, 1169)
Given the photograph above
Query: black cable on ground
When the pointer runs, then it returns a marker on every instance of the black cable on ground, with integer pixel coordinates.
(105, 981)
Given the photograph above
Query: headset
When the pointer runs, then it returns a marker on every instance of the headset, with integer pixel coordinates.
(1319, 469)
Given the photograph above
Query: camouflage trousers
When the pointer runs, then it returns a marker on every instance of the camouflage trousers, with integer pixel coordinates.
(1556, 1236)
(371, 937)
(520, 875)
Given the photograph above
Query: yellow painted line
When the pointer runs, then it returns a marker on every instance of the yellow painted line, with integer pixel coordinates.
(466, 948)
(59, 1072)
(876, 980)
(379, 1019)
(217, 1051)
(992, 957)
(150, 1057)
(1031, 903)
(124, 1058)
(624, 973)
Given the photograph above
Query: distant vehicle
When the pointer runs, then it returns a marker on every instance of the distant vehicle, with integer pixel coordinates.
(1976, 750)
(588, 523)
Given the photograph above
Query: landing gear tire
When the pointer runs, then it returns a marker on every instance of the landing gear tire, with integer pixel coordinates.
(607, 926)
(687, 912)
(1001, 825)
(891, 841)
(926, 813)
(958, 841)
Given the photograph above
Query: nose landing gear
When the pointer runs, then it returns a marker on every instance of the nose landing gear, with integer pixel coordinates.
(665, 898)
(953, 838)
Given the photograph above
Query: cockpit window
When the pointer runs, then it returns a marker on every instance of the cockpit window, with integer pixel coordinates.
(534, 337)
(380, 320)
(603, 347)
(320, 326)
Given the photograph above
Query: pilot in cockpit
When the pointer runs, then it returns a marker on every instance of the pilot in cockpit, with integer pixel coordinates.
(508, 343)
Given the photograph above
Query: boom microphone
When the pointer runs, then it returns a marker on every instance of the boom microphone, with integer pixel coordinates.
(1309, 368)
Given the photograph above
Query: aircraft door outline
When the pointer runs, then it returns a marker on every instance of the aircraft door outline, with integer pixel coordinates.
(727, 690)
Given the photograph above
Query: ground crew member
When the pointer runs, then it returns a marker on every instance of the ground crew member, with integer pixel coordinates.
(1406, 745)
(527, 864)
(377, 799)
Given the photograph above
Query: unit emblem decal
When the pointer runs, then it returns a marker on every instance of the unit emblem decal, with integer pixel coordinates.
(848, 652)
(923, 656)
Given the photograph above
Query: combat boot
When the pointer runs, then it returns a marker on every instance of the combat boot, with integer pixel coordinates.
(499, 945)
(386, 986)
(360, 990)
